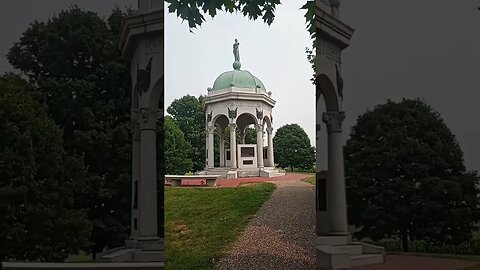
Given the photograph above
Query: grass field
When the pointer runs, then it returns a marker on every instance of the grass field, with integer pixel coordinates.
(202, 223)
(310, 180)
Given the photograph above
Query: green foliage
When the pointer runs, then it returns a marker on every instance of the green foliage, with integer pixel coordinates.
(190, 118)
(191, 11)
(39, 182)
(202, 223)
(292, 148)
(176, 150)
(74, 64)
(405, 177)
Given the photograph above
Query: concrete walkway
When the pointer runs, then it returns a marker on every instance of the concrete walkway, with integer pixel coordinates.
(281, 235)
(401, 262)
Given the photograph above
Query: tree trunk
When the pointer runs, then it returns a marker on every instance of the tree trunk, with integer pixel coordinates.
(405, 242)
(291, 168)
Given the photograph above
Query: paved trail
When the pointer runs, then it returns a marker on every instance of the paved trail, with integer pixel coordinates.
(281, 235)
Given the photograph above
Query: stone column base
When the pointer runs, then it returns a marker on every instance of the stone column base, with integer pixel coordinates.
(151, 250)
(339, 252)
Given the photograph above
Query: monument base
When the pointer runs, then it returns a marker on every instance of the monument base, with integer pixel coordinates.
(136, 251)
(230, 173)
(339, 252)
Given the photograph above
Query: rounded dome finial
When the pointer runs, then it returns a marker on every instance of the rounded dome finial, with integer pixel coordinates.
(237, 65)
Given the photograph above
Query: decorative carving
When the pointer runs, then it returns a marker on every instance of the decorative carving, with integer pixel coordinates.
(259, 114)
(147, 118)
(333, 120)
(329, 51)
(259, 127)
(269, 130)
(143, 78)
(339, 82)
(233, 127)
(153, 46)
(211, 129)
(209, 117)
(232, 114)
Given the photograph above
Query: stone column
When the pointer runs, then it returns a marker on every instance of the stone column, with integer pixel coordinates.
(259, 146)
(211, 153)
(271, 162)
(336, 198)
(135, 174)
(206, 147)
(222, 150)
(242, 137)
(233, 146)
(147, 184)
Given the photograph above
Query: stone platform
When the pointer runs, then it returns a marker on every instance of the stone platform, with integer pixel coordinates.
(230, 173)
(339, 252)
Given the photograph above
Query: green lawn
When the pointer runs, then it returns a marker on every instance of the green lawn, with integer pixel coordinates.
(202, 223)
(310, 180)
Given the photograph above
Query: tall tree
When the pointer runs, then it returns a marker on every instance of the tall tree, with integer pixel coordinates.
(292, 148)
(74, 64)
(188, 114)
(405, 176)
(39, 182)
(176, 150)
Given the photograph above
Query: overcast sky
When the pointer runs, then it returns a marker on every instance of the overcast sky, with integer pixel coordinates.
(408, 48)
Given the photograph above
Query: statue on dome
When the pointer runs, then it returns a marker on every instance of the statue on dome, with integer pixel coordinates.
(236, 52)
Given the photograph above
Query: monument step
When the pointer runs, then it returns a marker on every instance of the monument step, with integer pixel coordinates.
(366, 259)
(119, 255)
(351, 249)
(148, 256)
(333, 240)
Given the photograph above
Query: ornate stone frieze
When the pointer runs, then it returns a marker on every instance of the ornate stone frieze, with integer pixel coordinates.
(329, 51)
(333, 120)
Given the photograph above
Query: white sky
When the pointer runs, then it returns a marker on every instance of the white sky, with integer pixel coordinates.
(275, 54)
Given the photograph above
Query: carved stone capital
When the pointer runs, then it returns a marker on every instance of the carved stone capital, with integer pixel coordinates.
(232, 126)
(334, 121)
(211, 129)
(147, 118)
(259, 127)
(269, 130)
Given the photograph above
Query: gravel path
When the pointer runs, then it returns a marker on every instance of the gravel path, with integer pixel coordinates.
(281, 235)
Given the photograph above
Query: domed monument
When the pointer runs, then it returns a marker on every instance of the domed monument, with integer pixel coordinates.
(237, 100)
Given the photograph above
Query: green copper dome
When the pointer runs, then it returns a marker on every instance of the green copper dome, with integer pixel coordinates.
(238, 78)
